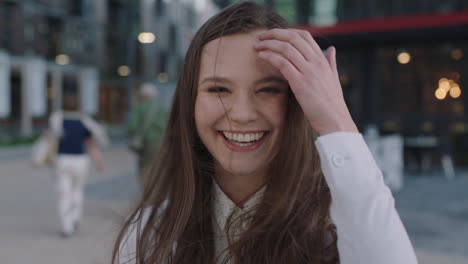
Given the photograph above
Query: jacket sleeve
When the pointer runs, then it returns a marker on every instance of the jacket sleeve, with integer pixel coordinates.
(128, 245)
(369, 228)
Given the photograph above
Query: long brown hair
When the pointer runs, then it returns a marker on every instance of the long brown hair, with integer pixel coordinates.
(291, 224)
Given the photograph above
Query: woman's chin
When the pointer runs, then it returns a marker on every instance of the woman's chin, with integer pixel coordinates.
(242, 170)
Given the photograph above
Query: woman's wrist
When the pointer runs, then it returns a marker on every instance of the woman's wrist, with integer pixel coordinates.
(343, 125)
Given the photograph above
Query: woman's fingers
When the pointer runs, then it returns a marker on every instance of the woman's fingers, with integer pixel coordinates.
(282, 64)
(309, 39)
(287, 50)
(331, 58)
(292, 37)
(312, 75)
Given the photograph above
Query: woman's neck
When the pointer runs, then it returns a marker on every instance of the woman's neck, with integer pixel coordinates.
(239, 188)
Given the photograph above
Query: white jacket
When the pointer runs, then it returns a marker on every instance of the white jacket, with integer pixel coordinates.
(369, 228)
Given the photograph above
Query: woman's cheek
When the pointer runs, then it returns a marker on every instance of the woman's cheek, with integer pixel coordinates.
(278, 111)
(208, 109)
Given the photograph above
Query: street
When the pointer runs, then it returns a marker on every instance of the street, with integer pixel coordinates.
(29, 226)
(433, 209)
(435, 213)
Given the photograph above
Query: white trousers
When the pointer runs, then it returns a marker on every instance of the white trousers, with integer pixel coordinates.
(72, 172)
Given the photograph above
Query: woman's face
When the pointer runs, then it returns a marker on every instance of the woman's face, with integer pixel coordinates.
(240, 105)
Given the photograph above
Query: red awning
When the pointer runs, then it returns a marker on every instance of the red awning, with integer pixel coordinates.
(395, 23)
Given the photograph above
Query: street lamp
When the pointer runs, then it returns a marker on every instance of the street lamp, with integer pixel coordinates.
(146, 37)
(123, 70)
(404, 57)
(62, 59)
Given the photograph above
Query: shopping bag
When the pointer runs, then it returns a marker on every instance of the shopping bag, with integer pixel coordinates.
(136, 143)
(44, 150)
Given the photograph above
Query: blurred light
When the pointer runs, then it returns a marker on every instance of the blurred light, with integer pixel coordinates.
(440, 94)
(427, 126)
(454, 84)
(146, 37)
(404, 58)
(123, 70)
(456, 54)
(443, 80)
(62, 59)
(456, 76)
(455, 91)
(163, 77)
(459, 127)
(344, 78)
(444, 84)
(390, 125)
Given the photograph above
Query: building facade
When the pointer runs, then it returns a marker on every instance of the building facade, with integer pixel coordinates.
(403, 64)
(43, 54)
(91, 49)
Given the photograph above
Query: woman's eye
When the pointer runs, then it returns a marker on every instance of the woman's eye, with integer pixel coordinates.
(270, 90)
(218, 90)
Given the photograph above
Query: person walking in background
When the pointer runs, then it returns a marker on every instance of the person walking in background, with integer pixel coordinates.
(78, 135)
(146, 126)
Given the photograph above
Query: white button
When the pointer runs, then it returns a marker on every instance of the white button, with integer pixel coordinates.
(338, 160)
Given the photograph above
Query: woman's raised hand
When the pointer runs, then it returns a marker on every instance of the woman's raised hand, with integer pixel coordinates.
(313, 77)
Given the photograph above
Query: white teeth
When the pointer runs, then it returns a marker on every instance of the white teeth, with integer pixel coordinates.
(243, 137)
(258, 136)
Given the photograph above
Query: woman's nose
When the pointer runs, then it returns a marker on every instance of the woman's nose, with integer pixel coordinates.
(243, 109)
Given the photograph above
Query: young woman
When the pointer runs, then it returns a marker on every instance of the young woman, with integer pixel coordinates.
(261, 160)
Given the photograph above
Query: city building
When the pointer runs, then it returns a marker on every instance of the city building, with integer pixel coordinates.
(403, 64)
(46, 48)
(98, 50)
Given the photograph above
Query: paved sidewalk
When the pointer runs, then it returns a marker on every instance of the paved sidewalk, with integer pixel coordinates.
(435, 213)
(433, 210)
(29, 224)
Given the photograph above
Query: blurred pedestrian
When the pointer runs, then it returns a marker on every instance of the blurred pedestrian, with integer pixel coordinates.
(146, 126)
(78, 135)
(258, 144)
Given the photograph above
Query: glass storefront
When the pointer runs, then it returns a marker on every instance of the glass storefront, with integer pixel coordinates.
(406, 80)
(320, 12)
(417, 89)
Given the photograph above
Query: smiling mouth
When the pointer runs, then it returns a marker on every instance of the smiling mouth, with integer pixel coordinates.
(242, 142)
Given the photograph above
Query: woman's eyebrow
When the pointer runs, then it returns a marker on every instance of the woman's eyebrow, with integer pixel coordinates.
(216, 79)
(271, 79)
(267, 79)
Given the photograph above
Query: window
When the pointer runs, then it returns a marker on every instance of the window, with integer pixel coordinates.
(75, 8)
(411, 88)
(160, 7)
(162, 61)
